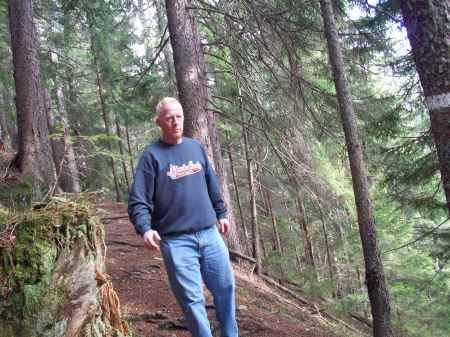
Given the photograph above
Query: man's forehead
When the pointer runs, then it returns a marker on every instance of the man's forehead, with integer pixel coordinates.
(171, 108)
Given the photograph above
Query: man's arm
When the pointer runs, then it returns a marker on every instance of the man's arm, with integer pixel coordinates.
(140, 201)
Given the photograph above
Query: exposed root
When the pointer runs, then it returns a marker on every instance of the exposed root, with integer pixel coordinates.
(7, 237)
(111, 303)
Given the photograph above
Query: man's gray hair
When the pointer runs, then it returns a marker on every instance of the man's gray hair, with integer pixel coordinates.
(163, 102)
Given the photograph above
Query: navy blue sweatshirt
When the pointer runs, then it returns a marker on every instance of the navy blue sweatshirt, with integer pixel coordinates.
(175, 189)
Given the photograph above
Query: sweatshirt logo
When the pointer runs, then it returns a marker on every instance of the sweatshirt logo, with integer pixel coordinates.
(177, 172)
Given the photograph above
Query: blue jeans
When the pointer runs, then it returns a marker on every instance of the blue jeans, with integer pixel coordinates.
(189, 258)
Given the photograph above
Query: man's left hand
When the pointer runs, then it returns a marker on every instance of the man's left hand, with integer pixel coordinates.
(224, 226)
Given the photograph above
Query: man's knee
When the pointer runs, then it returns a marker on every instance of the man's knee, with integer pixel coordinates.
(225, 286)
(192, 303)
(230, 287)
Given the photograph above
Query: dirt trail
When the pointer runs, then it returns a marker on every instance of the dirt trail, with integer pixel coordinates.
(139, 277)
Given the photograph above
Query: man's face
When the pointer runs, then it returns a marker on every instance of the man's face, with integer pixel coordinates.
(171, 121)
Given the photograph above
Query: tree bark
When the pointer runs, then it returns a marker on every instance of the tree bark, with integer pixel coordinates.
(375, 280)
(428, 27)
(191, 78)
(34, 157)
(256, 239)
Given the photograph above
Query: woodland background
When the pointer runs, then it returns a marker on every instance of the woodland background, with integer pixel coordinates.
(267, 111)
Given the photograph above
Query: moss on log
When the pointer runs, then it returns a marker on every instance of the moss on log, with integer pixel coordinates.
(52, 273)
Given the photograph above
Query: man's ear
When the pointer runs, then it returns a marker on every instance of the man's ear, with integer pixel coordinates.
(156, 120)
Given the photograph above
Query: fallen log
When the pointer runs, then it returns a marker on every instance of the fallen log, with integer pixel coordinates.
(116, 217)
(361, 319)
(234, 254)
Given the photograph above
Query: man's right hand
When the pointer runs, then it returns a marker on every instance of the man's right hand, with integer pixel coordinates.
(151, 239)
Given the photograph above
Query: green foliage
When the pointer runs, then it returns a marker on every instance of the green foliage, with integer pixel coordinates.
(351, 302)
(418, 274)
(17, 193)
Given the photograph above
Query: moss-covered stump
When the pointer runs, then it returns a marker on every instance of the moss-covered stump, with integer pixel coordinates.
(52, 280)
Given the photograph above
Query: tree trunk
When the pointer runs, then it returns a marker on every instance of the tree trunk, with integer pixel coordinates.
(57, 143)
(375, 280)
(122, 152)
(75, 119)
(238, 198)
(427, 23)
(4, 135)
(190, 71)
(68, 175)
(63, 151)
(168, 59)
(305, 230)
(261, 240)
(348, 284)
(276, 240)
(191, 78)
(298, 259)
(130, 151)
(256, 238)
(34, 157)
(106, 121)
(233, 236)
(327, 245)
(276, 234)
(10, 123)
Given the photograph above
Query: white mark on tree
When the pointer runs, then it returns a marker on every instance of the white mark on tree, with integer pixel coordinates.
(438, 102)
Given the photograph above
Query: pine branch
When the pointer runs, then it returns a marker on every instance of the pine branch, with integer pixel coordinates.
(424, 235)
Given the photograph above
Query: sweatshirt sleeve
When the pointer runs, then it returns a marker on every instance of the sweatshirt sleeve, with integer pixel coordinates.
(140, 201)
(214, 189)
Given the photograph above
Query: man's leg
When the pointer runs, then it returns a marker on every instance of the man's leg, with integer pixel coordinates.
(181, 257)
(219, 278)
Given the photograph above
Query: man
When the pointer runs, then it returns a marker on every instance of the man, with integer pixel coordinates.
(175, 203)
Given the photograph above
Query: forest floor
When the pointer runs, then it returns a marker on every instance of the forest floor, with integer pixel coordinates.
(139, 278)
